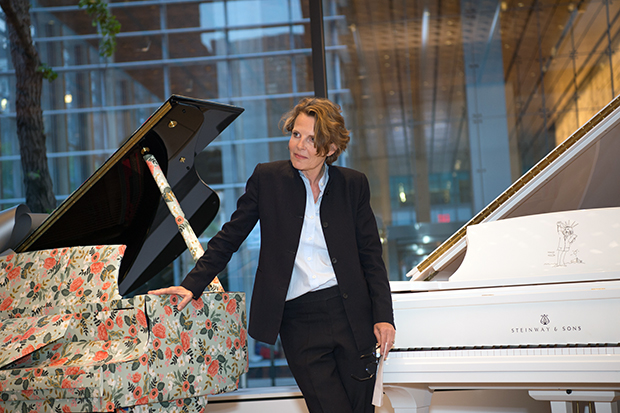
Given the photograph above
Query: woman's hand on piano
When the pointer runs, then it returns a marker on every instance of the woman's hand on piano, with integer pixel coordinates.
(185, 294)
(385, 333)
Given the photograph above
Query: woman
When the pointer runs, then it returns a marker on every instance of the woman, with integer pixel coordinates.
(321, 282)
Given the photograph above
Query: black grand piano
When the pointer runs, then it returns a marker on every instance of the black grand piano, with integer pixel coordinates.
(71, 342)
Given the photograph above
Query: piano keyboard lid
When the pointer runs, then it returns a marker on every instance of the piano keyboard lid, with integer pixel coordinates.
(121, 204)
(580, 173)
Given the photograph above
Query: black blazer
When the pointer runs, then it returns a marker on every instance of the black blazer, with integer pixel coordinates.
(275, 194)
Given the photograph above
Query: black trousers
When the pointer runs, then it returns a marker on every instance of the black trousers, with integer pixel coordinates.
(322, 354)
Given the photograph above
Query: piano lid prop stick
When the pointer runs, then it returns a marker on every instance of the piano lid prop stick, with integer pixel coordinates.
(179, 217)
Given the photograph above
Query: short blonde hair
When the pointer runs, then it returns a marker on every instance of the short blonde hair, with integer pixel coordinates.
(328, 127)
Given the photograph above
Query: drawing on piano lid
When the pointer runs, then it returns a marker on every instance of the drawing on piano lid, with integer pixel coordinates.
(543, 248)
(567, 236)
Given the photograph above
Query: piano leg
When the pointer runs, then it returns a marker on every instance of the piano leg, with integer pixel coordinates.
(606, 407)
(409, 398)
(562, 401)
(561, 407)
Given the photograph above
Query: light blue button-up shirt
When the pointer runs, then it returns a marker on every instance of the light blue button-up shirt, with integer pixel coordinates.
(313, 268)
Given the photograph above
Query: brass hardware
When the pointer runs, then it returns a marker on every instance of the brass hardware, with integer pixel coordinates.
(172, 124)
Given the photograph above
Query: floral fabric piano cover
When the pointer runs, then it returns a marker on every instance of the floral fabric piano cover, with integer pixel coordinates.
(70, 343)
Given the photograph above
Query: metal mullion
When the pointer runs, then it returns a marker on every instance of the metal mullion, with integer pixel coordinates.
(318, 48)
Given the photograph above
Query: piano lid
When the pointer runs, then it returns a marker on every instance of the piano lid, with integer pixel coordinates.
(121, 204)
(580, 173)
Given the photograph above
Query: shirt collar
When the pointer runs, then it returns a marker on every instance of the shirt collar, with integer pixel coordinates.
(322, 181)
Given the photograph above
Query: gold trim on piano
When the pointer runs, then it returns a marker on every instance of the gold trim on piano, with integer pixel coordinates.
(520, 183)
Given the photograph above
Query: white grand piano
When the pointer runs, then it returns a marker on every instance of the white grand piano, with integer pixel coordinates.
(527, 294)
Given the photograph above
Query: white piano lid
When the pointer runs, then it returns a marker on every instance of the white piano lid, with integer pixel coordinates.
(570, 246)
(550, 246)
(581, 173)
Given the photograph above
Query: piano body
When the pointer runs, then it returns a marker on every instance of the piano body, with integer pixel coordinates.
(70, 341)
(525, 295)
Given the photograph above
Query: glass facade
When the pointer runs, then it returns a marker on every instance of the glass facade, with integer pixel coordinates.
(448, 102)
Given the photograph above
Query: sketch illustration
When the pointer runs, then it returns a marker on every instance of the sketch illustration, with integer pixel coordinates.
(567, 236)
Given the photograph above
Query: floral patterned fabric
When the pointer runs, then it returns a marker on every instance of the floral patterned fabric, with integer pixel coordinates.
(44, 282)
(139, 354)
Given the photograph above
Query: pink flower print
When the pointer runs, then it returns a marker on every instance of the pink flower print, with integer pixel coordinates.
(96, 267)
(136, 377)
(72, 371)
(178, 350)
(59, 362)
(143, 359)
(137, 393)
(28, 333)
(49, 263)
(28, 349)
(185, 341)
(6, 303)
(198, 304)
(168, 353)
(141, 317)
(214, 367)
(75, 284)
(231, 307)
(102, 332)
(100, 355)
(14, 273)
(168, 310)
(159, 330)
